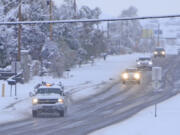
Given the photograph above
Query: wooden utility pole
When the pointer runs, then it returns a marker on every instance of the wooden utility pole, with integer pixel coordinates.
(158, 42)
(50, 18)
(108, 31)
(19, 32)
(75, 9)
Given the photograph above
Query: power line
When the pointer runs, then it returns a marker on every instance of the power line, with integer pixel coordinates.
(87, 20)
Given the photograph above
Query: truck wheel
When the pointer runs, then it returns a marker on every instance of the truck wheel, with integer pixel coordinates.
(34, 114)
(124, 82)
(138, 82)
(61, 113)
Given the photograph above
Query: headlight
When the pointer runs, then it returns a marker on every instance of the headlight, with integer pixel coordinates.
(150, 62)
(61, 101)
(125, 76)
(35, 101)
(138, 63)
(155, 52)
(137, 76)
(163, 52)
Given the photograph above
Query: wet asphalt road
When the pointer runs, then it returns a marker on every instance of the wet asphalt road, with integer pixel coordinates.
(113, 105)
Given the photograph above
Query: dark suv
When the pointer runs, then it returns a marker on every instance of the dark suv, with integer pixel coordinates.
(159, 52)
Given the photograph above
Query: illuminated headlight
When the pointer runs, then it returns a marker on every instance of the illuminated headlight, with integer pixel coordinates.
(137, 76)
(150, 62)
(155, 53)
(125, 76)
(138, 63)
(61, 101)
(163, 52)
(34, 100)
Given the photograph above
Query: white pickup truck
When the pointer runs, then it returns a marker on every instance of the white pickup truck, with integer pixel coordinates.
(50, 99)
(144, 63)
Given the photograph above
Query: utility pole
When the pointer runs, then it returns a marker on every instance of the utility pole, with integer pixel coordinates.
(19, 32)
(50, 18)
(75, 9)
(158, 44)
(127, 32)
(108, 31)
(127, 29)
(15, 77)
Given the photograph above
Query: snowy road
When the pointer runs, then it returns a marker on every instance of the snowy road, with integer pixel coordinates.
(114, 104)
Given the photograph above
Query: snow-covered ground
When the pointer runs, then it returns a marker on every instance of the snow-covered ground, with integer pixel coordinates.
(145, 122)
(81, 82)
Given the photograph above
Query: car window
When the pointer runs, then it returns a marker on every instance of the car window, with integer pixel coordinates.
(143, 59)
(131, 70)
(159, 49)
(49, 91)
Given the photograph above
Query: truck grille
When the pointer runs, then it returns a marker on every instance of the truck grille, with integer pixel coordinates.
(47, 101)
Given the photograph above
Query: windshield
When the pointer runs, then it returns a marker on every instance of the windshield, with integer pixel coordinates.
(143, 59)
(159, 49)
(131, 70)
(49, 91)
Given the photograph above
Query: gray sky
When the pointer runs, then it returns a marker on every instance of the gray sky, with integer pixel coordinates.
(112, 8)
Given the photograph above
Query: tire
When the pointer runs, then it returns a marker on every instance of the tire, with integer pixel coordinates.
(61, 113)
(139, 82)
(34, 114)
(124, 82)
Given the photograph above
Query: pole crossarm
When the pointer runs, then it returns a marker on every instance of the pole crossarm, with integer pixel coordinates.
(87, 20)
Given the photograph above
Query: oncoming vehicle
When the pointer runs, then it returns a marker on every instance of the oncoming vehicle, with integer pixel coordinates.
(131, 75)
(50, 99)
(144, 63)
(159, 52)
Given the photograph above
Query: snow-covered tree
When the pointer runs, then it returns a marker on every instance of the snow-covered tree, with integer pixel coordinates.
(72, 43)
(127, 33)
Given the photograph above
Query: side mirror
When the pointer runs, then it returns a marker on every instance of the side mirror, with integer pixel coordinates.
(31, 94)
